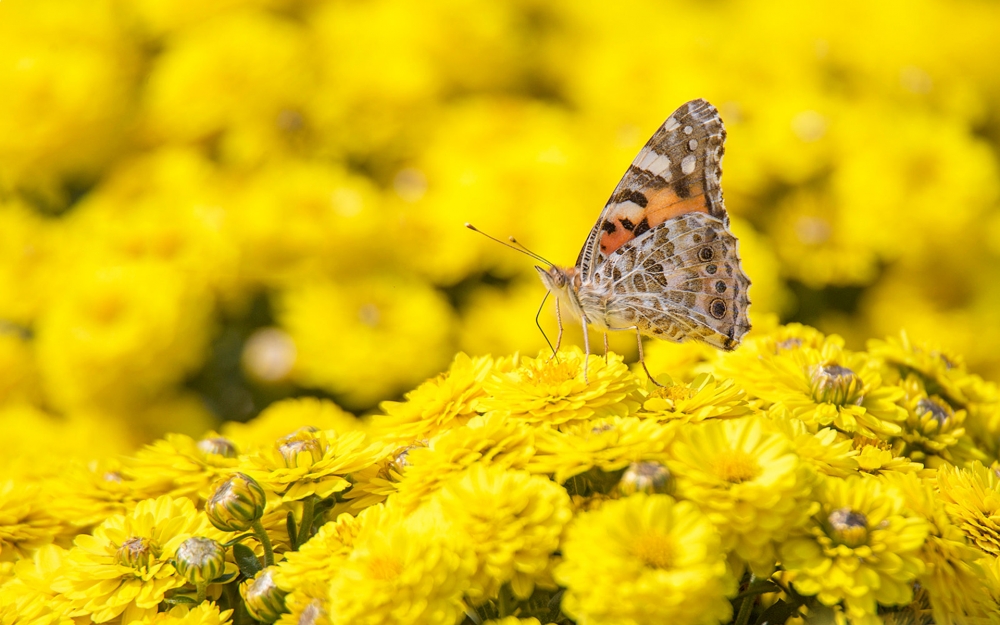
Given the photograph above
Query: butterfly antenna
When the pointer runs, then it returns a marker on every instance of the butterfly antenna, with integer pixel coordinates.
(518, 247)
(521, 246)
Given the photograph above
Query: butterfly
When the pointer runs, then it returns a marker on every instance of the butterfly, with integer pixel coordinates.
(661, 259)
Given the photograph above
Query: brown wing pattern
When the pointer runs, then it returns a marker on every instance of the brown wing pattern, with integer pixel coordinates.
(677, 172)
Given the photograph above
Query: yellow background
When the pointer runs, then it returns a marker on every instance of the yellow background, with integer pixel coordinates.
(205, 206)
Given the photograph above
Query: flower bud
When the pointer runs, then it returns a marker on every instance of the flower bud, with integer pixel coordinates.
(646, 477)
(833, 384)
(218, 446)
(200, 560)
(236, 502)
(264, 600)
(938, 412)
(293, 450)
(136, 552)
(848, 527)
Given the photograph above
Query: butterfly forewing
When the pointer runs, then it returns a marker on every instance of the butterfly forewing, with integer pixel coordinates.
(676, 172)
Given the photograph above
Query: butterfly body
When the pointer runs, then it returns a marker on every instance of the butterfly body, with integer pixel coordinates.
(661, 259)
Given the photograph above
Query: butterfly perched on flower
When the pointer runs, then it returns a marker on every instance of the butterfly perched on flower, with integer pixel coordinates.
(661, 260)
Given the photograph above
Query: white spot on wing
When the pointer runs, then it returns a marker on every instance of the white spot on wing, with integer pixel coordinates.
(628, 209)
(654, 163)
(688, 130)
(692, 144)
(671, 124)
(687, 164)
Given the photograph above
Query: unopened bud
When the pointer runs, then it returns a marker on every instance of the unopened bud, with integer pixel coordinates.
(236, 502)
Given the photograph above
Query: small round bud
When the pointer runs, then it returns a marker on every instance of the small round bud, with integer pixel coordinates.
(293, 450)
(218, 446)
(236, 502)
(136, 552)
(646, 477)
(833, 384)
(200, 560)
(848, 527)
(264, 600)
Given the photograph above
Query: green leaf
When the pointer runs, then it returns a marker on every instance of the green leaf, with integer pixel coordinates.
(290, 528)
(246, 560)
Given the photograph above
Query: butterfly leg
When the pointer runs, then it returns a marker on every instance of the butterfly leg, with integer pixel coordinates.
(538, 323)
(605, 348)
(555, 350)
(642, 358)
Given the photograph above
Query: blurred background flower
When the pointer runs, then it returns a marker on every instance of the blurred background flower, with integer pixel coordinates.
(209, 206)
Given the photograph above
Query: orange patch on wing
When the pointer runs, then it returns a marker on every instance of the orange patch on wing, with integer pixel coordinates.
(665, 204)
(662, 205)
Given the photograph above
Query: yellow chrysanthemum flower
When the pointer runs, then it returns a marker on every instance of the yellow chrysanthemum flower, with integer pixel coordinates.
(310, 463)
(287, 416)
(305, 574)
(955, 582)
(944, 375)
(206, 613)
(403, 570)
(97, 342)
(179, 466)
(27, 519)
(877, 457)
(386, 332)
(747, 479)
(862, 548)
(89, 493)
(446, 401)
(123, 569)
(609, 444)
(514, 520)
(28, 599)
(971, 497)
(934, 432)
(703, 398)
(644, 559)
(491, 439)
(766, 340)
(828, 451)
(831, 387)
(513, 620)
(552, 389)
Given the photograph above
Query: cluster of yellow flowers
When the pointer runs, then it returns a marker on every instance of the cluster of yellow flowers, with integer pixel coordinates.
(791, 479)
(224, 202)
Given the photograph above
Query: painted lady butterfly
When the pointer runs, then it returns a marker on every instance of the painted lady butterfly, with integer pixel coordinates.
(661, 259)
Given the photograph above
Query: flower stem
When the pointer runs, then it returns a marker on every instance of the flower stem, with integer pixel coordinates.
(202, 588)
(305, 525)
(265, 541)
(745, 607)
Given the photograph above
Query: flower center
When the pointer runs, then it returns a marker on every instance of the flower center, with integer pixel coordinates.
(848, 527)
(938, 412)
(552, 372)
(384, 568)
(655, 550)
(136, 552)
(646, 477)
(674, 393)
(736, 466)
(833, 384)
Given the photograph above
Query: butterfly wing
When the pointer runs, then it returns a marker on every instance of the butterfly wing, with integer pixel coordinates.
(677, 172)
(681, 281)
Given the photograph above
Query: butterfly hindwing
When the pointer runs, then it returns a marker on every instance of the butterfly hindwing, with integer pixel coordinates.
(682, 281)
(677, 172)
